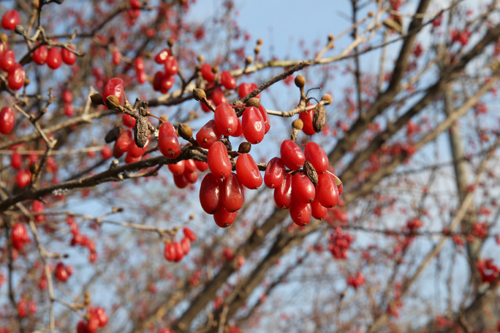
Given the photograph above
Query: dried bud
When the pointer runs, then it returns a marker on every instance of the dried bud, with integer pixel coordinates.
(327, 99)
(26, 81)
(34, 168)
(141, 131)
(371, 13)
(185, 132)
(201, 58)
(3, 37)
(244, 148)
(248, 60)
(259, 41)
(113, 134)
(199, 94)
(96, 99)
(256, 49)
(192, 216)
(117, 209)
(300, 81)
(215, 69)
(319, 118)
(164, 118)
(330, 38)
(298, 124)
(19, 29)
(255, 102)
(311, 172)
(113, 102)
(170, 42)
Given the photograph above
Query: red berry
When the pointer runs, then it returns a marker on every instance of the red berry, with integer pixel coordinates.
(135, 151)
(38, 207)
(201, 166)
(191, 176)
(22, 308)
(317, 156)
(128, 121)
(93, 324)
(142, 77)
(54, 58)
(223, 218)
(7, 60)
(171, 65)
(169, 252)
(32, 307)
(135, 4)
(116, 57)
(189, 234)
(207, 72)
(40, 55)
(19, 233)
(265, 116)
(102, 316)
(300, 212)
(68, 57)
(291, 155)
(178, 252)
(248, 172)
(185, 245)
(67, 97)
(23, 178)
(16, 160)
(180, 181)
(106, 152)
(328, 194)
(16, 77)
(275, 173)
(302, 188)
(190, 166)
(283, 193)
(227, 80)
(7, 120)
(232, 193)
(246, 88)
(177, 168)
(168, 142)
(131, 159)
(81, 327)
(11, 19)
(226, 119)
(318, 211)
(61, 273)
(307, 119)
(69, 110)
(123, 142)
(114, 87)
(139, 64)
(218, 160)
(253, 125)
(208, 135)
(162, 56)
(218, 97)
(210, 194)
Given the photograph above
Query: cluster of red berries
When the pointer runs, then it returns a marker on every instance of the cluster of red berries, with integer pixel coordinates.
(97, 317)
(19, 236)
(82, 240)
(185, 172)
(53, 57)
(175, 251)
(67, 98)
(460, 36)
(356, 281)
(63, 272)
(339, 243)
(488, 270)
(15, 71)
(23, 307)
(163, 81)
(414, 224)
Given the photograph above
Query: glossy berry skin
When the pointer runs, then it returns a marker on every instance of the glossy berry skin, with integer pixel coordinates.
(7, 120)
(328, 194)
(239, 131)
(300, 212)
(246, 88)
(38, 207)
(307, 119)
(227, 80)
(275, 173)
(190, 165)
(181, 181)
(253, 125)
(139, 64)
(179, 254)
(208, 135)
(16, 160)
(128, 121)
(114, 87)
(191, 176)
(201, 166)
(19, 233)
(106, 153)
(40, 55)
(302, 188)
(283, 193)
(177, 168)
(141, 77)
(291, 155)
(22, 308)
(68, 57)
(23, 178)
(171, 65)
(168, 142)
(123, 142)
(248, 172)
(169, 252)
(218, 160)
(116, 58)
(210, 194)
(189, 234)
(265, 116)
(185, 245)
(207, 72)
(162, 56)
(7, 60)
(135, 151)
(16, 77)
(317, 156)
(67, 97)
(224, 219)
(61, 273)
(131, 159)
(218, 97)
(318, 211)
(226, 119)
(102, 316)
(11, 19)
(233, 195)
(54, 58)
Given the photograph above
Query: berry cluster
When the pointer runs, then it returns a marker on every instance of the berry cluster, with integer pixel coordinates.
(488, 270)
(23, 307)
(175, 251)
(96, 317)
(356, 281)
(63, 272)
(82, 240)
(339, 243)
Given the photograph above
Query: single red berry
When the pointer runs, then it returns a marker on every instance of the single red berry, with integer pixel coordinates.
(131, 159)
(93, 324)
(135, 4)
(248, 172)
(135, 151)
(128, 121)
(7, 60)
(223, 218)
(328, 194)
(201, 166)
(171, 65)
(69, 110)
(139, 64)
(16, 77)
(102, 316)
(38, 207)
(179, 254)
(169, 252)
(61, 273)
(81, 327)
(265, 116)
(106, 152)
(218, 97)
(253, 125)
(246, 88)
(226, 119)
(19, 233)
(22, 308)
(177, 168)
(7, 120)
(227, 80)
(185, 245)
(207, 72)
(123, 142)
(54, 58)
(190, 166)
(189, 234)
(114, 87)
(291, 155)
(210, 194)
(233, 195)
(283, 193)
(318, 211)
(68, 57)
(142, 77)
(275, 173)
(191, 176)
(40, 55)
(180, 181)
(16, 160)
(162, 56)
(307, 120)
(218, 160)
(208, 135)
(302, 188)
(67, 96)
(317, 156)
(11, 19)
(116, 57)
(168, 142)
(23, 178)
(300, 212)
